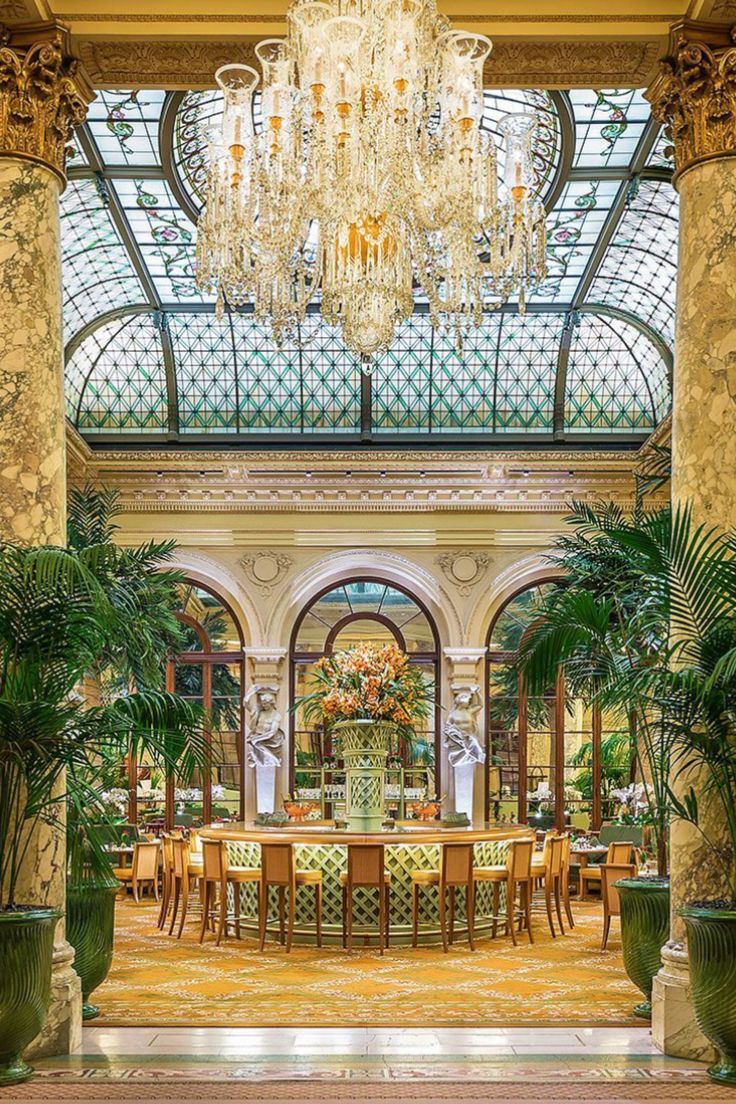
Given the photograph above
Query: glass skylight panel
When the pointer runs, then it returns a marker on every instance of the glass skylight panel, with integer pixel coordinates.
(126, 387)
(639, 270)
(76, 157)
(330, 380)
(574, 227)
(205, 373)
(464, 380)
(402, 380)
(97, 272)
(608, 126)
(609, 380)
(662, 156)
(165, 236)
(197, 112)
(125, 126)
(528, 351)
(82, 361)
(269, 381)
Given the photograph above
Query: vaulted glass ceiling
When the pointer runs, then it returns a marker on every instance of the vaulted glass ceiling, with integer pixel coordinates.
(146, 359)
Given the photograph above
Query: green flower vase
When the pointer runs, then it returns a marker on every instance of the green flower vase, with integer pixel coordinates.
(90, 928)
(365, 749)
(26, 950)
(645, 928)
(711, 943)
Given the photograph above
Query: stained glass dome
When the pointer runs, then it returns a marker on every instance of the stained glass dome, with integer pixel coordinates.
(146, 357)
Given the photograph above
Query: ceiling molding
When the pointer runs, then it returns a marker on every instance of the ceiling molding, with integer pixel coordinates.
(552, 63)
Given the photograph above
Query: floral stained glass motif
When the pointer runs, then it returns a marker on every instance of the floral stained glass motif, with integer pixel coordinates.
(125, 126)
(608, 125)
(573, 231)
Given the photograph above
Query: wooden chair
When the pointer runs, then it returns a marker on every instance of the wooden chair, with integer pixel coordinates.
(515, 874)
(566, 879)
(144, 868)
(185, 872)
(366, 870)
(279, 869)
(167, 878)
(620, 852)
(610, 873)
(217, 874)
(456, 870)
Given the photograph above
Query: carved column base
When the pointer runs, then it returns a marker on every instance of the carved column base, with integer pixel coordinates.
(62, 1031)
(674, 1030)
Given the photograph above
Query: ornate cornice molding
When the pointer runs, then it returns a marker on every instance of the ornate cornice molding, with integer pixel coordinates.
(554, 63)
(44, 93)
(695, 93)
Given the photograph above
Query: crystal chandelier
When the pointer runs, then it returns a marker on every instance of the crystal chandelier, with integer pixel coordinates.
(368, 177)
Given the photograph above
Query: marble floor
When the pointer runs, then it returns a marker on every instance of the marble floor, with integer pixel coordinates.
(585, 1063)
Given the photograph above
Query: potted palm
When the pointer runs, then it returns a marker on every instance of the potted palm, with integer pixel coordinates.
(143, 592)
(57, 616)
(694, 686)
(608, 628)
(371, 697)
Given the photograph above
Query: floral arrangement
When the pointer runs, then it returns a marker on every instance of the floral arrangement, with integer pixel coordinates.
(115, 800)
(368, 682)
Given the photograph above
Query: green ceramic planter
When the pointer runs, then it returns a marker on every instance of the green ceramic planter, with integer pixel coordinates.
(645, 928)
(711, 941)
(90, 928)
(365, 749)
(26, 949)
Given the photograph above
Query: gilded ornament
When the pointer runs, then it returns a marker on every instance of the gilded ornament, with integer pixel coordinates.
(43, 95)
(695, 93)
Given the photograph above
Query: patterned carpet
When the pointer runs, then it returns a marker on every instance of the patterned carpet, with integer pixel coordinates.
(158, 980)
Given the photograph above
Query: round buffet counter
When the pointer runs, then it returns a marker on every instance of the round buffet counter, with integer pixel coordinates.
(407, 849)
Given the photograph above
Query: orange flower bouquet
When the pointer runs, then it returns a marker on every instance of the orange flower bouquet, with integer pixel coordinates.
(370, 683)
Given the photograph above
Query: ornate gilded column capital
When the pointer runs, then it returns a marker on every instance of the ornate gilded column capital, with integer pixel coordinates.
(695, 92)
(44, 93)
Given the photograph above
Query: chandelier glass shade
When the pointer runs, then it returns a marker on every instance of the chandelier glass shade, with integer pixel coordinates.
(369, 178)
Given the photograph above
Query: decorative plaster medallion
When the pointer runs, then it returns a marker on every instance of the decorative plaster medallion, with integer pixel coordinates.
(464, 568)
(265, 569)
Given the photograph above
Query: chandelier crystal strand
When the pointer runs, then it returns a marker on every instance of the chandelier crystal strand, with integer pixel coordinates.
(370, 180)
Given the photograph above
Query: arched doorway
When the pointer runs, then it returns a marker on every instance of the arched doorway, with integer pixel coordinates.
(362, 610)
(543, 754)
(210, 672)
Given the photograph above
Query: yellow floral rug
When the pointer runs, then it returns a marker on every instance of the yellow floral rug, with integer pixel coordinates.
(158, 980)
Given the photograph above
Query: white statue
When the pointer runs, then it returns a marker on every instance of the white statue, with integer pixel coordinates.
(462, 732)
(265, 734)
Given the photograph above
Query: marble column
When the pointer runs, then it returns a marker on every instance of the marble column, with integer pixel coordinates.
(43, 96)
(695, 96)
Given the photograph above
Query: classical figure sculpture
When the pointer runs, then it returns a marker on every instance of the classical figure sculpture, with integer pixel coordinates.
(462, 732)
(463, 742)
(265, 734)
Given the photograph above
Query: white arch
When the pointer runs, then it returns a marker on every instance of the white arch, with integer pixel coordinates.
(336, 567)
(517, 576)
(218, 578)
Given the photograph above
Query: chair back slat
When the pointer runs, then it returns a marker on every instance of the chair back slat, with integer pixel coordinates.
(365, 864)
(555, 855)
(610, 873)
(620, 852)
(214, 860)
(180, 849)
(519, 858)
(277, 863)
(145, 860)
(456, 866)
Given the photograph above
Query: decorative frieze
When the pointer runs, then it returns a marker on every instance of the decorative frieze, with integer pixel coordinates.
(44, 94)
(695, 93)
